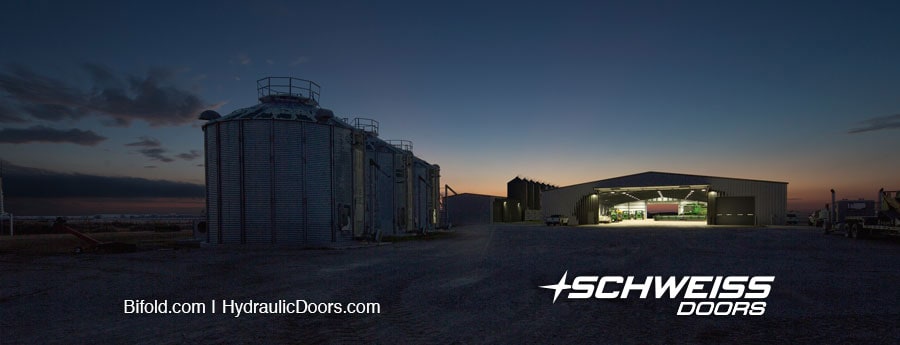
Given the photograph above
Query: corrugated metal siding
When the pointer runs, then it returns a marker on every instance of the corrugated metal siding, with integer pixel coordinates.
(275, 181)
(343, 177)
(531, 203)
(735, 210)
(257, 179)
(400, 190)
(563, 200)
(385, 191)
(288, 162)
(771, 197)
(587, 209)
(359, 185)
(212, 183)
(318, 187)
(369, 180)
(420, 195)
(513, 210)
(468, 209)
(437, 201)
(434, 195)
(517, 189)
(497, 211)
(230, 172)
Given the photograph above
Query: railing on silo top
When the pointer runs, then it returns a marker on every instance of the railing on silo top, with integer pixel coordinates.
(404, 145)
(288, 86)
(368, 125)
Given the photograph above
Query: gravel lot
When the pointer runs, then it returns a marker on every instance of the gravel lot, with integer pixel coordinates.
(476, 285)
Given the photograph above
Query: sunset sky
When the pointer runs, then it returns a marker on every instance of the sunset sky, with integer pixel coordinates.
(102, 97)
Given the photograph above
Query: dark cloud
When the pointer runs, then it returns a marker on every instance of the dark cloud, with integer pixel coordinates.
(145, 142)
(150, 166)
(153, 98)
(101, 75)
(157, 154)
(49, 135)
(150, 99)
(54, 112)
(7, 115)
(200, 165)
(27, 87)
(25, 182)
(189, 156)
(877, 124)
(153, 149)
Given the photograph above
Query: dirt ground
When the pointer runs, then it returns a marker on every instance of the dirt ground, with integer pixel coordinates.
(53, 244)
(477, 285)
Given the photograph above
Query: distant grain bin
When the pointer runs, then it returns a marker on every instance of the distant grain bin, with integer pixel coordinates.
(287, 171)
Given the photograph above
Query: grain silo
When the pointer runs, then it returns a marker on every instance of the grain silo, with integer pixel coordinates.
(417, 189)
(426, 193)
(288, 171)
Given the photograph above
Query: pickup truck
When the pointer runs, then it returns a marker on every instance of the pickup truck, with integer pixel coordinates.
(791, 218)
(557, 220)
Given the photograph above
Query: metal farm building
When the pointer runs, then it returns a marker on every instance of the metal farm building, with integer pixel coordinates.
(289, 172)
(713, 200)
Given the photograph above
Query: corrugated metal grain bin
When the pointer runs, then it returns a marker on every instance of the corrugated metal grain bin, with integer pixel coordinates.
(278, 172)
(382, 185)
(287, 171)
(426, 186)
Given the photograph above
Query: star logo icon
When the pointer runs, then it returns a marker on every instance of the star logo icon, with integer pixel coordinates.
(558, 287)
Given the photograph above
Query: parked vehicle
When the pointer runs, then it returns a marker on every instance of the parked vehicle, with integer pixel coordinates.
(863, 218)
(557, 220)
(818, 217)
(791, 218)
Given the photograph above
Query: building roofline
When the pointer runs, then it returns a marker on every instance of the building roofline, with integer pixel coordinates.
(476, 194)
(671, 173)
(707, 176)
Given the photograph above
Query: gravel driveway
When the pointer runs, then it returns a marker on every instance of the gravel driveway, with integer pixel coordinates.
(479, 284)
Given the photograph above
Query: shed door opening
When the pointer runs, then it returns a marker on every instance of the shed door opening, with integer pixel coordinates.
(736, 210)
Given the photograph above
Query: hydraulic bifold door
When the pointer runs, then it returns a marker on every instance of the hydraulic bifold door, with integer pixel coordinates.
(736, 210)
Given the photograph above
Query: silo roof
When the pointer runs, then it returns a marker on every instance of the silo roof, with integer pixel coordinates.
(282, 98)
(275, 110)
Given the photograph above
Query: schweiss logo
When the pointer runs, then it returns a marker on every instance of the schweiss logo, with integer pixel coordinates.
(723, 295)
(559, 287)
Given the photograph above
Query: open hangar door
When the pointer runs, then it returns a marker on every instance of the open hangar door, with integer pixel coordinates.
(605, 200)
(734, 210)
(636, 191)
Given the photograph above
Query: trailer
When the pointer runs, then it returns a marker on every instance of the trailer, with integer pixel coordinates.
(93, 244)
(864, 218)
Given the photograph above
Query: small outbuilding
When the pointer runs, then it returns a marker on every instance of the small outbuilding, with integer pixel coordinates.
(470, 209)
